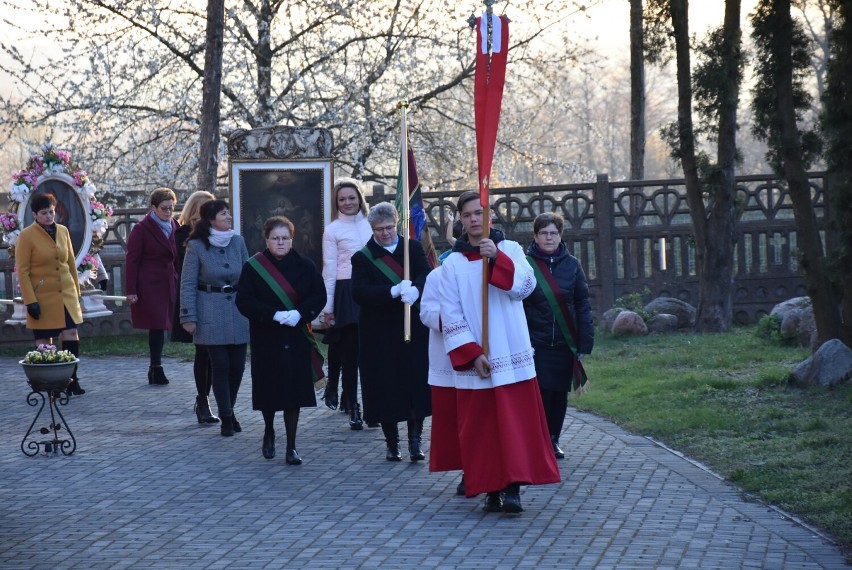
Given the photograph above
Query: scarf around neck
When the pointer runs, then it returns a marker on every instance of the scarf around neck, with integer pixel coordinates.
(166, 226)
(218, 238)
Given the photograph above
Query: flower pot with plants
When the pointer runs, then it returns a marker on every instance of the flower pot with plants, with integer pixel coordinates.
(49, 369)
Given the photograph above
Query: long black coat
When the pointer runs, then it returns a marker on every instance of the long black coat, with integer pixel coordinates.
(179, 334)
(393, 372)
(281, 373)
(554, 361)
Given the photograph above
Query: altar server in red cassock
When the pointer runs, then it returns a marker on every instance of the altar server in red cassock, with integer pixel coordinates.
(500, 436)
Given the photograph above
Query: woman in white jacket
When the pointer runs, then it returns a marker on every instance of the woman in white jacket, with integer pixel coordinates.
(348, 232)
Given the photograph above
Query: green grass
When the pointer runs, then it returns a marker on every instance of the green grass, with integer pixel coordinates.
(124, 345)
(723, 399)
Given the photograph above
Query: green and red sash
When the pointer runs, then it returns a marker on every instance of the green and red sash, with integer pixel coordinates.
(284, 290)
(389, 267)
(559, 308)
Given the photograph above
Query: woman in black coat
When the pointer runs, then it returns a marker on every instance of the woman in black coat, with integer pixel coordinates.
(281, 292)
(393, 372)
(559, 318)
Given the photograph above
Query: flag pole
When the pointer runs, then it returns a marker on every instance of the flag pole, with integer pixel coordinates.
(406, 212)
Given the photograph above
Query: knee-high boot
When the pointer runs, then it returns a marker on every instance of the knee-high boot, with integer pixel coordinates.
(415, 432)
(391, 432)
(73, 346)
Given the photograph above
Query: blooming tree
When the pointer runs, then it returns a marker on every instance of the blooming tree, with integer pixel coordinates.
(122, 80)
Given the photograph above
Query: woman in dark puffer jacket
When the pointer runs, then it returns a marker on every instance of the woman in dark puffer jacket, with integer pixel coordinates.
(559, 318)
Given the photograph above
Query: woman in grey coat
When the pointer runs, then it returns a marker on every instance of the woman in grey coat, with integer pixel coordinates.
(211, 269)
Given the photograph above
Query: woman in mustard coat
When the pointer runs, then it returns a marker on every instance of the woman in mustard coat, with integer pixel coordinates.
(47, 274)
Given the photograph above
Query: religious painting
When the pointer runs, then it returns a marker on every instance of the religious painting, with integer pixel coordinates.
(299, 190)
(71, 211)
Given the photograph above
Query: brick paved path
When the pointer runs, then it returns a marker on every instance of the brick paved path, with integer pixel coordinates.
(148, 487)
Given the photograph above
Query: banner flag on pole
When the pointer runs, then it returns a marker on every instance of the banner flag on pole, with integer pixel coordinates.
(417, 226)
(489, 79)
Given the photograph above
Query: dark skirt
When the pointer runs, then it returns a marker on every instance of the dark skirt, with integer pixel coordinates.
(554, 368)
(346, 311)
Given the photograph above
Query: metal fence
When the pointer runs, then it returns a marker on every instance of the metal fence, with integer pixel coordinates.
(628, 235)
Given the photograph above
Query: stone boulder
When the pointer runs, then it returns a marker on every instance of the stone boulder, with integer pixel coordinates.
(684, 312)
(797, 320)
(829, 366)
(662, 323)
(606, 320)
(628, 323)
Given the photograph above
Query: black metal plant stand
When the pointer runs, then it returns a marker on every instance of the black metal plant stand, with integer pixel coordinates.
(50, 433)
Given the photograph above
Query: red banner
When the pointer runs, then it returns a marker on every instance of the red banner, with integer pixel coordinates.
(488, 93)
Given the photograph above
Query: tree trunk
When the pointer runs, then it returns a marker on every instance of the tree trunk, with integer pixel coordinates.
(817, 282)
(637, 92)
(715, 312)
(208, 153)
(263, 59)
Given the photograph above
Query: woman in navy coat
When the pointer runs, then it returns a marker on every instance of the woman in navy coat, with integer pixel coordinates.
(151, 266)
(561, 283)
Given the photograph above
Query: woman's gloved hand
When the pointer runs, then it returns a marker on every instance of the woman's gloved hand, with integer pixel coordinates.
(34, 309)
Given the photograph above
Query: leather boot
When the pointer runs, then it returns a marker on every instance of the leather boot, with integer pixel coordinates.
(157, 376)
(391, 432)
(415, 430)
(202, 411)
(493, 502)
(355, 421)
(227, 426)
(268, 446)
(74, 388)
(512, 499)
(329, 397)
(235, 424)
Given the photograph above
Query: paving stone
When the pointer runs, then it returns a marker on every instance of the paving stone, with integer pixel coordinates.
(148, 487)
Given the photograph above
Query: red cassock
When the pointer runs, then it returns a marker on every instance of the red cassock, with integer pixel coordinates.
(493, 429)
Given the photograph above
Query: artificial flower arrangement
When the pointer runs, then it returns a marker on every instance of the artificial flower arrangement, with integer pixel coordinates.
(10, 225)
(47, 354)
(89, 263)
(52, 161)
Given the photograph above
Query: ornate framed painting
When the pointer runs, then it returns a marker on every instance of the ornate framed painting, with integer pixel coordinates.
(300, 190)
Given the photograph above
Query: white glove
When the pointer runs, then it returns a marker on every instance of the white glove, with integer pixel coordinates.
(278, 317)
(397, 289)
(291, 318)
(580, 356)
(410, 295)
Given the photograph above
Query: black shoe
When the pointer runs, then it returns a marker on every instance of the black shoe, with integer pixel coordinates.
(460, 487)
(237, 427)
(202, 411)
(293, 457)
(355, 421)
(74, 388)
(493, 503)
(268, 447)
(393, 452)
(227, 426)
(512, 499)
(557, 451)
(157, 376)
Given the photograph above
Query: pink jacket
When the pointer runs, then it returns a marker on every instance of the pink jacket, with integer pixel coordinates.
(341, 239)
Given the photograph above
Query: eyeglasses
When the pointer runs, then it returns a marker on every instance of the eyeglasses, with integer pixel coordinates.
(546, 234)
(279, 238)
(166, 208)
(383, 229)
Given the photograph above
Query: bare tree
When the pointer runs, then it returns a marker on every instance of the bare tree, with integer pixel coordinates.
(208, 152)
(637, 92)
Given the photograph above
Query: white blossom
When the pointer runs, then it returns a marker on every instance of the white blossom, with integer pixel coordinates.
(18, 192)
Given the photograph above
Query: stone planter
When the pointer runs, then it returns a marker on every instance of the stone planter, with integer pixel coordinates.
(48, 377)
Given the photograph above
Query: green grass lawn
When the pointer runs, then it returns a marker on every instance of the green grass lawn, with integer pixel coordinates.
(723, 399)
